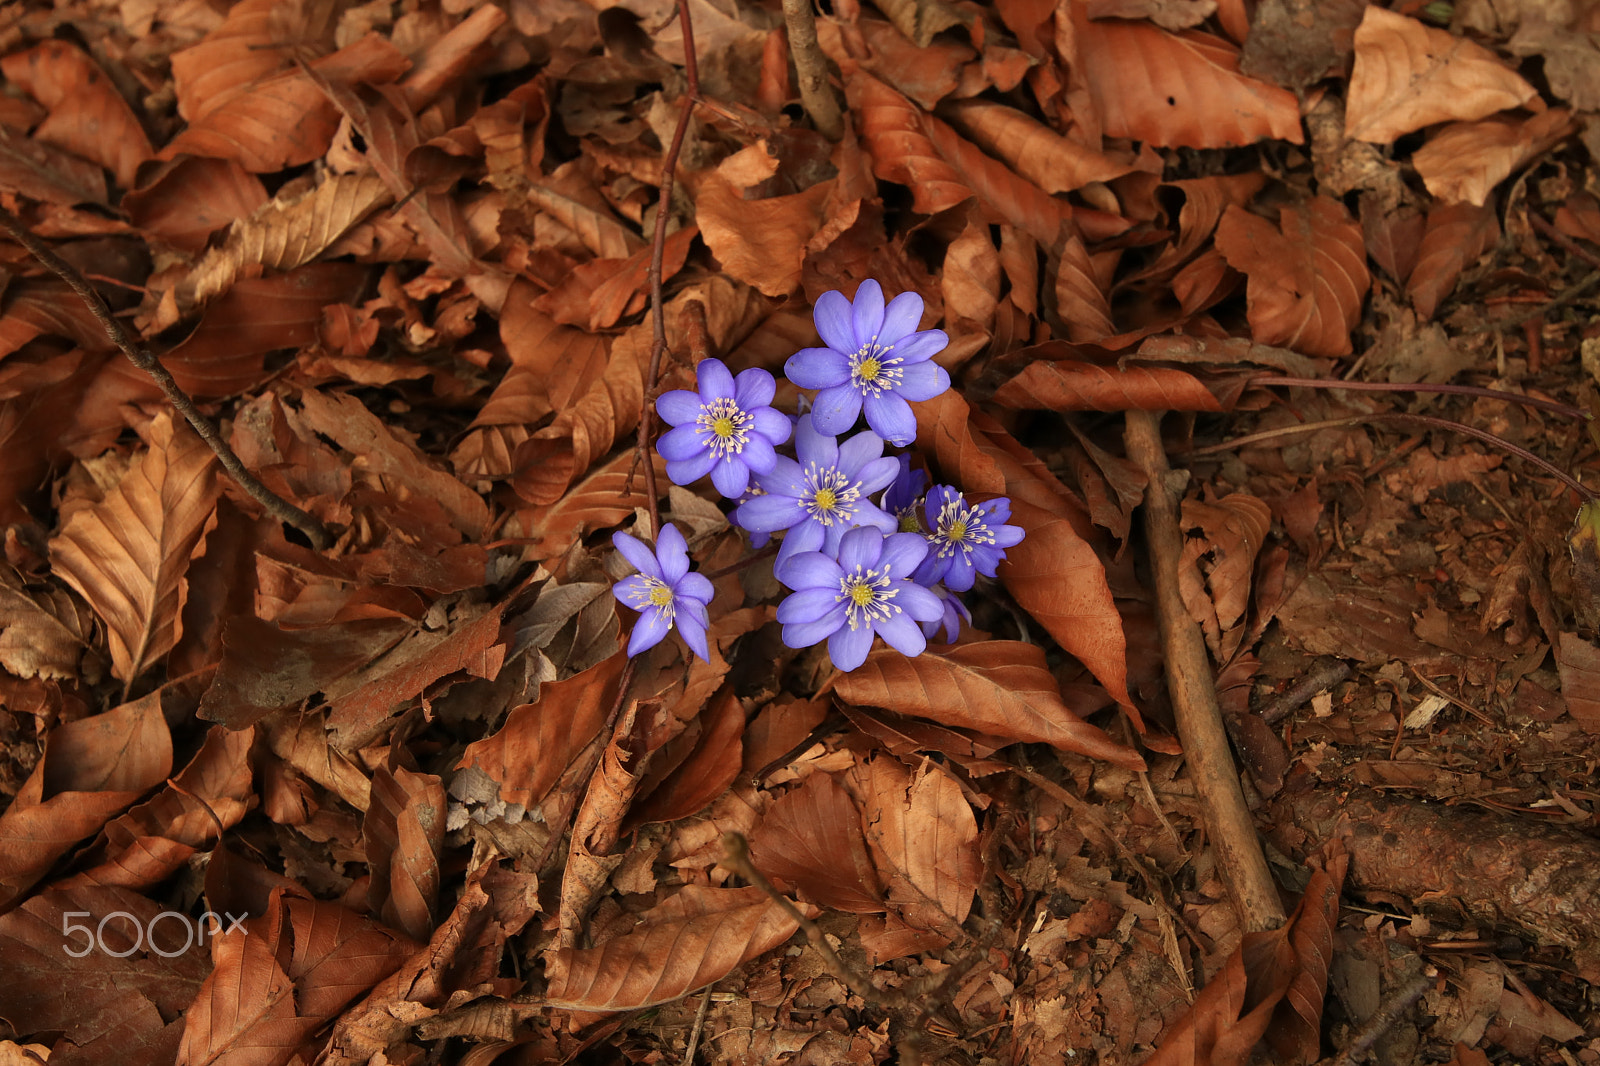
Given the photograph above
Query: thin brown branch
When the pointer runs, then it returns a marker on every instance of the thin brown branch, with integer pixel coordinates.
(1563, 240)
(1553, 406)
(816, 95)
(147, 361)
(1194, 696)
(658, 251)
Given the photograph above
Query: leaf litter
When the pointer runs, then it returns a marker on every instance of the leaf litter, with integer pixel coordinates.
(405, 256)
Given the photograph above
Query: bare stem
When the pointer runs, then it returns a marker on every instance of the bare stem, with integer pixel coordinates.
(147, 361)
(723, 571)
(658, 249)
(816, 95)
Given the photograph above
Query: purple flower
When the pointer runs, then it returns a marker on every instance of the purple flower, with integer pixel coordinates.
(726, 428)
(867, 591)
(904, 496)
(875, 357)
(955, 612)
(965, 539)
(663, 592)
(821, 497)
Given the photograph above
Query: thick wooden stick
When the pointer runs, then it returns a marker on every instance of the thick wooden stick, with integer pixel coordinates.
(816, 95)
(1194, 696)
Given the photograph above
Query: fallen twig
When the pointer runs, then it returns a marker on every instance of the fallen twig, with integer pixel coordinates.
(812, 69)
(1384, 1018)
(1194, 696)
(146, 360)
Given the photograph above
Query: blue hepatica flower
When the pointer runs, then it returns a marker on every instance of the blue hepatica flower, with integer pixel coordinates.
(823, 496)
(903, 498)
(867, 591)
(965, 539)
(726, 428)
(663, 592)
(875, 358)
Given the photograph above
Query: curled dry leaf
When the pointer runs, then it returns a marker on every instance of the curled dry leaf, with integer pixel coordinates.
(1032, 149)
(88, 117)
(91, 770)
(1408, 75)
(760, 242)
(713, 763)
(127, 555)
(44, 631)
(1453, 236)
(1235, 528)
(607, 496)
(1178, 90)
(692, 939)
(285, 234)
(924, 841)
(1308, 275)
(810, 841)
(1080, 300)
(403, 832)
(1073, 386)
(999, 687)
(1466, 160)
(944, 429)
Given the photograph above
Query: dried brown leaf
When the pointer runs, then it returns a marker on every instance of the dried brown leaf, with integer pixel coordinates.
(1466, 160)
(944, 429)
(285, 234)
(1030, 148)
(1178, 90)
(924, 841)
(1308, 275)
(1074, 386)
(811, 841)
(601, 234)
(760, 242)
(998, 687)
(403, 833)
(1408, 75)
(709, 769)
(694, 938)
(88, 117)
(1080, 301)
(605, 497)
(91, 770)
(127, 555)
(1454, 236)
(184, 201)
(44, 633)
(48, 174)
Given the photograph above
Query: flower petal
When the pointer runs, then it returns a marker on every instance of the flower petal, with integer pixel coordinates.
(758, 455)
(1007, 536)
(805, 634)
(923, 381)
(631, 591)
(634, 550)
(870, 514)
(807, 605)
(817, 368)
(877, 474)
(861, 449)
(785, 479)
(813, 446)
(651, 628)
(673, 551)
(932, 569)
(682, 444)
(903, 552)
(960, 576)
(836, 409)
(920, 347)
(753, 388)
(901, 317)
(770, 513)
(804, 538)
(832, 315)
(771, 424)
(693, 587)
(891, 418)
(848, 647)
(902, 634)
(688, 471)
(714, 380)
(731, 476)
(813, 570)
(866, 311)
(919, 603)
(861, 547)
(694, 635)
(678, 406)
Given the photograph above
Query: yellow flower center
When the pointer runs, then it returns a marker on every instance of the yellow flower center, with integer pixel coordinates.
(958, 531)
(722, 427)
(861, 595)
(909, 522)
(868, 369)
(660, 595)
(826, 499)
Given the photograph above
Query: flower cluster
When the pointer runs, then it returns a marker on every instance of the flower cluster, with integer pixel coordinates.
(868, 549)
